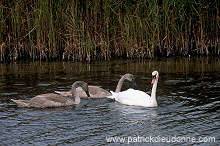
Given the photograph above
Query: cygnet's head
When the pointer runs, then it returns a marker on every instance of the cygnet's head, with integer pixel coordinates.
(130, 78)
(84, 86)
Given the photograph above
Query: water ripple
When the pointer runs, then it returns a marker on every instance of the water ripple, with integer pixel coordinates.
(188, 106)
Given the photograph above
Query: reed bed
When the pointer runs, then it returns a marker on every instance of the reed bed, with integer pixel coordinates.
(89, 30)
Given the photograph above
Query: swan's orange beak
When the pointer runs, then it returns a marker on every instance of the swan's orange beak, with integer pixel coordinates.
(153, 80)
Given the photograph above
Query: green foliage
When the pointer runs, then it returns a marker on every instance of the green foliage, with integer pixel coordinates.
(100, 29)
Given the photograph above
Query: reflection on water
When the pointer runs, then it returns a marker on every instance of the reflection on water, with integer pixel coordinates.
(131, 115)
(188, 98)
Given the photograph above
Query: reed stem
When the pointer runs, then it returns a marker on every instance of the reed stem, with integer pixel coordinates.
(95, 30)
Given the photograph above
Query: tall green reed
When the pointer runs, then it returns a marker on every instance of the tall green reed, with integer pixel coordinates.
(95, 30)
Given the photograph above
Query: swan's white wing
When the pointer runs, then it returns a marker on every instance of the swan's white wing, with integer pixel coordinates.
(113, 96)
(133, 97)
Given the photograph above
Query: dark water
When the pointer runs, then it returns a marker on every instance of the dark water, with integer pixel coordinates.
(188, 96)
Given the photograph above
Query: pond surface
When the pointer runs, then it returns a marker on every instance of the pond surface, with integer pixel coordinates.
(188, 96)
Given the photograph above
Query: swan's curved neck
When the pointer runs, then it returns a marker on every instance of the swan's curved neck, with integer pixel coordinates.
(153, 92)
(120, 82)
(76, 97)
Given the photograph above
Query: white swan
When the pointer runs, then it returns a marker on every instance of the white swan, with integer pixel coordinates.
(137, 97)
(54, 100)
(97, 92)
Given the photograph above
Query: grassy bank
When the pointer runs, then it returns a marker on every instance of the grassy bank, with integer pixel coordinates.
(101, 29)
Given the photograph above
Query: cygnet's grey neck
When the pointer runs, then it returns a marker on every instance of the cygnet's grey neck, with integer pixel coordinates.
(75, 95)
(120, 82)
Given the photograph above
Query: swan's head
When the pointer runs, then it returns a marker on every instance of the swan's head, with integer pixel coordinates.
(155, 76)
(84, 86)
(130, 78)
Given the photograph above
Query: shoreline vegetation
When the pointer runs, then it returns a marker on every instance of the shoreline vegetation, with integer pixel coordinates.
(88, 30)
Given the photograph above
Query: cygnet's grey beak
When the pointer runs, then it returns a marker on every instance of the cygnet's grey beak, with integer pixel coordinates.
(87, 93)
(134, 83)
